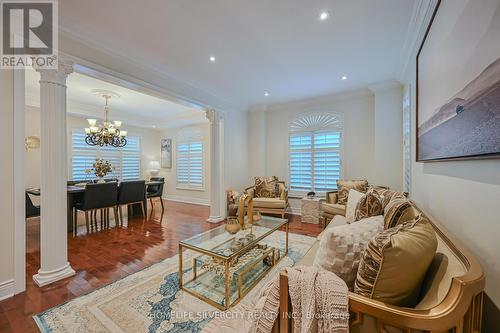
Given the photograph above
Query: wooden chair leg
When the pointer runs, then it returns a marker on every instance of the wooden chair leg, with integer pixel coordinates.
(115, 211)
(75, 221)
(162, 207)
(121, 216)
(87, 221)
(143, 210)
(152, 205)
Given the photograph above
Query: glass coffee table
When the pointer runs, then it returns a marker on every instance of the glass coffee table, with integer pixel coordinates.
(227, 266)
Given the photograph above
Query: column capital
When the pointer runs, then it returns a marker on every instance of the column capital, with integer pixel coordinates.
(56, 76)
(211, 115)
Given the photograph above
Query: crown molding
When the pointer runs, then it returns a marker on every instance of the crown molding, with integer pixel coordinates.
(181, 89)
(383, 86)
(421, 15)
(359, 93)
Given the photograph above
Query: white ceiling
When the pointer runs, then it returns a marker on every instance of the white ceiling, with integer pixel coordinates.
(132, 107)
(278, 46)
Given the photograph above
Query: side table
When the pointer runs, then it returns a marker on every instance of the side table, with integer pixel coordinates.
(310, 210)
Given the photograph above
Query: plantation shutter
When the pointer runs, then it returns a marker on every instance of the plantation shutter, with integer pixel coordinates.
(126, 161)
(190, 164)
(314, 161)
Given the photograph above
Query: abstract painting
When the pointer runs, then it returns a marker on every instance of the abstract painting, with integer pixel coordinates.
(458, 83)
(166, 153)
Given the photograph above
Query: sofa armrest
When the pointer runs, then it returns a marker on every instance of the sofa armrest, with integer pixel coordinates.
(332, 197)
(250, 191)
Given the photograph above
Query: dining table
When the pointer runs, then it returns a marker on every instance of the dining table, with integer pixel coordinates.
(73, 191)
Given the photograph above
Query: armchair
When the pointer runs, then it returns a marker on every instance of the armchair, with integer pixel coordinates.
(330, 207)
(276, 205)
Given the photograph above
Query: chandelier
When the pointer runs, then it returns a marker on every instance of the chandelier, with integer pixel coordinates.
(108, 133)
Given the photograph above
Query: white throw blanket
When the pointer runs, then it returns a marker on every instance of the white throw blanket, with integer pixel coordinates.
(319, 302)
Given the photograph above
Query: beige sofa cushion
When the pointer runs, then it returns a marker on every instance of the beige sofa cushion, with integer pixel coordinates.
(268, 203)
(398, 211)
(333, 209)
(395, 263)
(341, 247)
(344, 186)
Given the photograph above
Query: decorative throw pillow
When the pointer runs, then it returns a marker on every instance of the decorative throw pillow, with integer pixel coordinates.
(352, 203)
(341, 247)
(266, 187)
(386, 195)
(344, 186)
(398, 211)
(369, 205)
(395, 263)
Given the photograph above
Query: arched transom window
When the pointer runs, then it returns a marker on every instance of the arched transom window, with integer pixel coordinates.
(315, 153)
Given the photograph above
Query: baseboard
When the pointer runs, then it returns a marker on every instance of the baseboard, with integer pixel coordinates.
(7, 289)
(189, 200)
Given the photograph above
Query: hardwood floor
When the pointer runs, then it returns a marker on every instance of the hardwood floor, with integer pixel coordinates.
(109, 255)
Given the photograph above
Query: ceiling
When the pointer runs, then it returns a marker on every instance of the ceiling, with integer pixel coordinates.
(132, 107)
(274, 46)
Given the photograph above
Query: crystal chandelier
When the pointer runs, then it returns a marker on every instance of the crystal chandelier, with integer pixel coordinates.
(108, 133)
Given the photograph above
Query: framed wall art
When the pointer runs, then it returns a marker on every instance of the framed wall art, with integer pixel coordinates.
(166, 153)
(458, 83)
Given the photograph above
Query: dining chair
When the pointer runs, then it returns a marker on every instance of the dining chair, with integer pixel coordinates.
(97, 197)
(31, 209)
(156, 191)
(129, 193)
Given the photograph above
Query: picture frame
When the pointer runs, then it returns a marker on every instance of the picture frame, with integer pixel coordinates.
(166, 153)
(458, 86)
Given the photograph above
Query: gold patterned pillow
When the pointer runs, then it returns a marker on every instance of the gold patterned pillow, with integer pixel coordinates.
(386, 194)
(369, 205)
(398, 211)
(344, 186)
(395, 263)
(267, 187)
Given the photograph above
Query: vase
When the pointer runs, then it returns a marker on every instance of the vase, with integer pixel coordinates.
(101, 180)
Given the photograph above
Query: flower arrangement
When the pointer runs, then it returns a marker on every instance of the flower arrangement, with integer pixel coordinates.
(100, 168)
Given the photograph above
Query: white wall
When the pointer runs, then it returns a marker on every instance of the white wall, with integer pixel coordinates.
(171, 190)
(388, 139)
(6, 183)
(236, 155)
(462, 195)
(150, 145)
(357, 111)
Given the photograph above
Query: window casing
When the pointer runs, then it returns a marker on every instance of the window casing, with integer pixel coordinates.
(315, 151)
(126, 161)
(190, 164)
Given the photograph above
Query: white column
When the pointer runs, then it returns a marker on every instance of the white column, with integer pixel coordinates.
(215, 169)
(54, 263)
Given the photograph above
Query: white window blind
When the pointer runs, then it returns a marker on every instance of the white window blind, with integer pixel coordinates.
(315, 161)
(126, 161)
(190, 164)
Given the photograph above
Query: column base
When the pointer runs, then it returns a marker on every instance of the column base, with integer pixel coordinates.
(215, 219)
(44, 278)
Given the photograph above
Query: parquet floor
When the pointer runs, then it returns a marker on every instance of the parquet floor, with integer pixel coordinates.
(109, 255)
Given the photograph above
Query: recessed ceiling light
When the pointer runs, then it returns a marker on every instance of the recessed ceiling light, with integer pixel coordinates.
(323, 16)
(212, 59)
(344, 78)
(154, 126)
(266, 94)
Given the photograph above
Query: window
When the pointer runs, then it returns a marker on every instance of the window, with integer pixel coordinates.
(190, 164)
(314, 154)
(126, 161)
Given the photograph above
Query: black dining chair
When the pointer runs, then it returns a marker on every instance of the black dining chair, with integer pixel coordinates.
(156, 191)
(129, 193)
(31, 209)
(97, 197)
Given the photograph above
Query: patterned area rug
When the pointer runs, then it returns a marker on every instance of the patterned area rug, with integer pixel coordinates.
(150, 300)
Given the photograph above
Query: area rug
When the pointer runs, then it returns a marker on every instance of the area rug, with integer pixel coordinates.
(150, 300)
